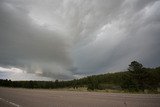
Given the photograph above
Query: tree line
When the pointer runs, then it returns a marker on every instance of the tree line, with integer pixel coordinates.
(136, 78)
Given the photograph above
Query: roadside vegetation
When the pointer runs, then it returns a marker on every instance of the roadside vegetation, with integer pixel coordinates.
(137, 79)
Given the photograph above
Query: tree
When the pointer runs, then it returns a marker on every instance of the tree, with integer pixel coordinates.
(93, 83)
(135, 67)
(138, 74)
(127, 83)
(56, 84)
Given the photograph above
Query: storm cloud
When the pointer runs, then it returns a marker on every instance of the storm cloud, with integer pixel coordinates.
(66, 39)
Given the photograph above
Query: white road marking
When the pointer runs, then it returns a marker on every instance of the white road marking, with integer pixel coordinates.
(14, 104)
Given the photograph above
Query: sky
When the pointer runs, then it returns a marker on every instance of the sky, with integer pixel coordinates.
(68, 39)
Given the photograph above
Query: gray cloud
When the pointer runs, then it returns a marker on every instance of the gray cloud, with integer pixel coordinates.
(25, 44)
(132, 35)
(66, 39)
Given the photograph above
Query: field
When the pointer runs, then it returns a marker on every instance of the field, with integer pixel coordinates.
(14, 97)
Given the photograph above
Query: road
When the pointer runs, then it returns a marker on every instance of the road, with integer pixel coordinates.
(14, 97)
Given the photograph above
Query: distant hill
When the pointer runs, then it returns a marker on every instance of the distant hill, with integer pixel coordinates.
(136, 78)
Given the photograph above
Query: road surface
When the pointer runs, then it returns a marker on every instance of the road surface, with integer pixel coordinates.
(13, 97)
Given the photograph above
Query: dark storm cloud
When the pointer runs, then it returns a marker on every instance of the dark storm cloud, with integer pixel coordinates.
(23, 44)
(69, 38)
(132, 35)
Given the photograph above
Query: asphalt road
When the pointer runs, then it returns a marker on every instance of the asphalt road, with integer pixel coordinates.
(12, 97)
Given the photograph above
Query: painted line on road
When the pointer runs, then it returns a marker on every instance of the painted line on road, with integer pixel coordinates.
(14, 104)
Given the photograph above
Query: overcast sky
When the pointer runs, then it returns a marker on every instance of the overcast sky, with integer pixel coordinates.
(66, 39)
